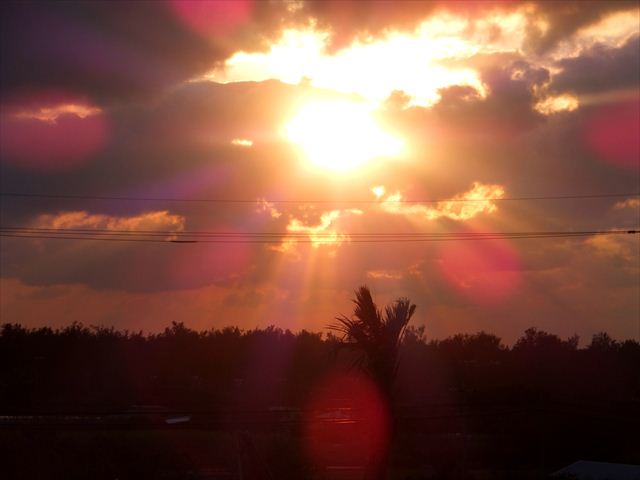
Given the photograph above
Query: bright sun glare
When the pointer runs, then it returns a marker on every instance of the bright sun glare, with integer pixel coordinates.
(340, 135)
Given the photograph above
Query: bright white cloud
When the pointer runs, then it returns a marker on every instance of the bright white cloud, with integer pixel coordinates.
(374, 68)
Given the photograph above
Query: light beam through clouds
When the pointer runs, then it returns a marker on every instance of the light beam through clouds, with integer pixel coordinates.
(436, 101)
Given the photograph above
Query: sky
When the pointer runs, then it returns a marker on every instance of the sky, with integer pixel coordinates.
(313, 147)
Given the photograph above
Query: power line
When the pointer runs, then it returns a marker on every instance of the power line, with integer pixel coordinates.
(311, 201)
(212, 233)
(280, 234)
(311, 239)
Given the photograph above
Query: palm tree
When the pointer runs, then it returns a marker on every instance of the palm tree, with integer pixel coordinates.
(375, 338)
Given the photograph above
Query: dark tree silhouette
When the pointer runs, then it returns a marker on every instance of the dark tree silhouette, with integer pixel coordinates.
(376, 339)
(505, 398)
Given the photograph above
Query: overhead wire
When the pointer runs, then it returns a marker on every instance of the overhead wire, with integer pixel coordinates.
(299, 237)
(316, 201)
(305, 236)
(29, 229)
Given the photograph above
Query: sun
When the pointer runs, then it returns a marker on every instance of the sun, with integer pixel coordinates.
(340, 135)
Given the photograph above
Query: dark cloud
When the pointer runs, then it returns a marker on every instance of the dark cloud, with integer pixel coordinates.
(503, 139)
(349, 19)
(476, 137)
(112, 52)
(98, 49)
(564, 18)
(363, 19)
(600, 69)
(510, 99)
(137, 49)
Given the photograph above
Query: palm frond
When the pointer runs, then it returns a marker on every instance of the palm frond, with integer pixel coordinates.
(366, 310)
(375, 338)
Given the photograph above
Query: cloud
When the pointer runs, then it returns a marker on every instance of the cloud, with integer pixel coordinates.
(51, 114)
(384, 274)
(154, 221)
(109, 54)
(143, 49)
(512, 84)
(548, 24)
(559, 103)
(465, 206)
(599, 69)
(325, 232)
(50, 130)
(551, 22)
(411, 59)
(628, 203)
(623, 247)
(536, 27)
(242, 142)
(265, 206)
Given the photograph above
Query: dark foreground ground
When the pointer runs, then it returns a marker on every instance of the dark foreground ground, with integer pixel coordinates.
(94, 403)
(513, 441)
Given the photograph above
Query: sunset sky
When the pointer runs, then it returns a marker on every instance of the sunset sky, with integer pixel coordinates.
(302, 149)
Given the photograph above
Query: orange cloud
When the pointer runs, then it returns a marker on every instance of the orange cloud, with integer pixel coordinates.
(612, 31)
(628, 203)
(158, 221)
(558, 103)
(384, 274)
(323, 233)
(51, 114)
(619, 246)
(480, 199)
(265, 206)
(242, 142)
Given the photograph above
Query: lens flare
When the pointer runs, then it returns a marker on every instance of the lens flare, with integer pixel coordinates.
(213, 18)
(485, 271)
(346, 421)
(612, 134)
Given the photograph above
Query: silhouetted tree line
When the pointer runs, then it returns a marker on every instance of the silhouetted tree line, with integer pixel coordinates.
(81, 368)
